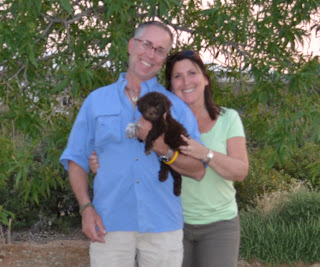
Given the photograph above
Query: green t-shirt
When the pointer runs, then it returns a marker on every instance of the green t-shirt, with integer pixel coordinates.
(213, 198)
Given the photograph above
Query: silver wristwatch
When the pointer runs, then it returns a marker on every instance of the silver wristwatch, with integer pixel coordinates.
(166, 158)
(210, 155)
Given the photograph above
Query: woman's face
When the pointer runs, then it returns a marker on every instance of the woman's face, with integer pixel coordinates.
(188, 82)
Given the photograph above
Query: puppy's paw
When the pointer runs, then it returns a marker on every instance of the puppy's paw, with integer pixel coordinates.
(131, 130)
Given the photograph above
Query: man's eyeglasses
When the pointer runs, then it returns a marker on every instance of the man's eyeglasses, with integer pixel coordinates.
(148, 46)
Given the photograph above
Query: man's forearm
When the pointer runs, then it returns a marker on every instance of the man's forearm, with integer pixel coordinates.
(188, 166)
(78, 179)
(185, 165)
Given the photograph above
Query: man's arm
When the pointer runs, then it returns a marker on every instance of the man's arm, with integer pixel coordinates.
(92, 225)
(185, 165)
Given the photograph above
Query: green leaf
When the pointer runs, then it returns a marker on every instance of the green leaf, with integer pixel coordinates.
(35, 196)
(66, 5)
(31, 56)
(61, 85)
(18, 177)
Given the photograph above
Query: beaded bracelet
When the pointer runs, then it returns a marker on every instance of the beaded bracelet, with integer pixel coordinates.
(89, 204)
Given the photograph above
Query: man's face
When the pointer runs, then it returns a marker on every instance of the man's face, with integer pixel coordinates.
(144, 63)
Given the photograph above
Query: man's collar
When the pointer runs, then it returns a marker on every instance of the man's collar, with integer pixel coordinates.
(146, 86)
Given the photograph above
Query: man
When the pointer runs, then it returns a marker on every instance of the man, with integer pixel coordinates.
(132, 213)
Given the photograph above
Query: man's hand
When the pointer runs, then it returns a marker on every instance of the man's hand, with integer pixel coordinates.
(144, 128)
(92, 225)
(159, 146)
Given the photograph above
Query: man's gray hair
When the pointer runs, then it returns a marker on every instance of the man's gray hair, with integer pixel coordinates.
(139, 30)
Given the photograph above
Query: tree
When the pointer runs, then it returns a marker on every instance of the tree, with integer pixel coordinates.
(53, 53)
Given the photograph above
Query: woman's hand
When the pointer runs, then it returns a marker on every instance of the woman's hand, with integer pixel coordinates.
(194, 149)
(93, 162)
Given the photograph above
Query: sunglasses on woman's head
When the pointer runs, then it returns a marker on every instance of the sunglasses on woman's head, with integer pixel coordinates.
(187, 53)
(182, 54)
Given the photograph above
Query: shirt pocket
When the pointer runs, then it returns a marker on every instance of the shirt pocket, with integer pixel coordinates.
(107, 129)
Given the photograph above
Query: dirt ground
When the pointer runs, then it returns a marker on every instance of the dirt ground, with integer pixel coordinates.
(45, 249)
(58, 250)
(54, 253)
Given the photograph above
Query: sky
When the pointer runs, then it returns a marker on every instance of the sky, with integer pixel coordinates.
(312, 46)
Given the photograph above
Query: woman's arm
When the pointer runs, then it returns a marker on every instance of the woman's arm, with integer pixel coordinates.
(234, 166)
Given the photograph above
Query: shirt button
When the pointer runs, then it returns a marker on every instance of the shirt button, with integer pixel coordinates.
(136, 159)
(137, 181)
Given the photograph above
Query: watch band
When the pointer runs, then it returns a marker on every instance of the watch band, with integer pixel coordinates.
(166, 158)
(210, 155)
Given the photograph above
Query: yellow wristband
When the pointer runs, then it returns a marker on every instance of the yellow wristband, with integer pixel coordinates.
(173, 159)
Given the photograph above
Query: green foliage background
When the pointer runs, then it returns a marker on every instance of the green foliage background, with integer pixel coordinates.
(54, 53)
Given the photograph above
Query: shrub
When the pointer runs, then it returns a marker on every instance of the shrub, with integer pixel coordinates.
(287, 232)
(304, 164)
(301, 206)
(260, 180)
(4, 216)
(32, 182)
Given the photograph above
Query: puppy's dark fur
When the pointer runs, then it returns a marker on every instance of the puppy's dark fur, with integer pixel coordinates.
(155, 107)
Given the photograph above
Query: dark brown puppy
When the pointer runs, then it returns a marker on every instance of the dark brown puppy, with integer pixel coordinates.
(155, 107)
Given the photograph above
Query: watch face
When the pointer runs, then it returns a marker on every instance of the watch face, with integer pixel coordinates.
(210, 154)
(164, 158)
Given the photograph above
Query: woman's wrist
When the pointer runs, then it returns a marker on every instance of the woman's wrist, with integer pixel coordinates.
(209, 155)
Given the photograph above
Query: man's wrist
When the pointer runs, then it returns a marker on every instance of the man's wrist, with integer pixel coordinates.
(173, 158)
(83, 207)
(168, 156)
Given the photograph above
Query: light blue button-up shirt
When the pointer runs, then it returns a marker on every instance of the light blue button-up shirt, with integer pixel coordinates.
(127, 192)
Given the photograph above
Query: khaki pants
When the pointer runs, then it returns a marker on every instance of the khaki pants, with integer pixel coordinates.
(150, 250)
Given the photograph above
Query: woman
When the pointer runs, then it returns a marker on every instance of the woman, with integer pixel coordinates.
(212, 227)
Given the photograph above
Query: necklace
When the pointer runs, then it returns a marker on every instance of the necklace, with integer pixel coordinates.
(135, 97)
